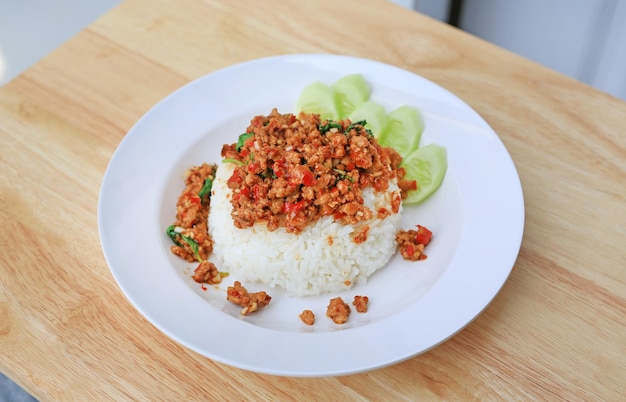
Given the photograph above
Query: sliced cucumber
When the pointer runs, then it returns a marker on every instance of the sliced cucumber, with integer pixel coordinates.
(373, 113)
(318, 98)
(401, 129)
(350, 92)
(427, 165)
(404, 130)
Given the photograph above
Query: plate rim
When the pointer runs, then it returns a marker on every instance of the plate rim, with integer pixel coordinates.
(237, 324)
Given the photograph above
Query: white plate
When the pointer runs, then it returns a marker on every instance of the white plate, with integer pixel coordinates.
(477, 217)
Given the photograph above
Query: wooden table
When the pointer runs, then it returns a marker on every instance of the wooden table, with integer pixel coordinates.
(557, 330)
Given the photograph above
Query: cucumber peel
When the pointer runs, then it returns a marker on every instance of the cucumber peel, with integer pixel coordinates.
(403, 131)
(350, 92)
(318, 98)
(426, 165)
(400, 129)
(374, 115)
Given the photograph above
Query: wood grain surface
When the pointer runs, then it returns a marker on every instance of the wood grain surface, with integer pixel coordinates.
(556, 331)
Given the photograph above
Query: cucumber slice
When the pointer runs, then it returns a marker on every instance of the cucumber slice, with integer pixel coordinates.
(427, 165)
(318, 98)
(404, 130)
(350, 92)
(373, 113)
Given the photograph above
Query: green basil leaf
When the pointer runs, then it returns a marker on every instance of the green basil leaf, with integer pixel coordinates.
(194, 246)
(242, 140)
(357, 126)
(173, 234)
(323, 128)
(206, 188)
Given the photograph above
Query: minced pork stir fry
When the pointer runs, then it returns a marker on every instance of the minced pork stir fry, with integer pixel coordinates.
(290, 172)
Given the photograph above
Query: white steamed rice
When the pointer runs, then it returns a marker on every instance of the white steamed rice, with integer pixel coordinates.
(306, 263)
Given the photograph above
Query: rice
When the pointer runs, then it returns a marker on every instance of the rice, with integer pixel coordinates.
(322, 258)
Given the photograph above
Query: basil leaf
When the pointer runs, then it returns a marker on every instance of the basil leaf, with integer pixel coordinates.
(173, 234)
(194, 246)
(356, 125)
(242, 140)
(343, 175)
(206, 188)
(323, 128)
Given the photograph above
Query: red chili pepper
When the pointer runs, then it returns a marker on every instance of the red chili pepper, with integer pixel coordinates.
(235, 178)
(294, 206)
(423, 235)
(302, 175)
(194, 199)
(307, 178)
(256, 192)
(257, 121)
(278, 167)
(270, 152)
(338, 215)
(243, 192)
(253, 167)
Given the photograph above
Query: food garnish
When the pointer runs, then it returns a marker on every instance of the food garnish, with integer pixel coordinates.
(367, 147)
(400, 129)
(176, 232)
(242, 139)
(205, 192)
(427, 166)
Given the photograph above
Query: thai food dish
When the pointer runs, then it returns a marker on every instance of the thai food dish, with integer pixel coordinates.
(308, 204)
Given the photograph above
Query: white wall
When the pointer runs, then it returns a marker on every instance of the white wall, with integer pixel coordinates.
(30, 29)
(437, 9)
(610, 73)
(584, 39)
